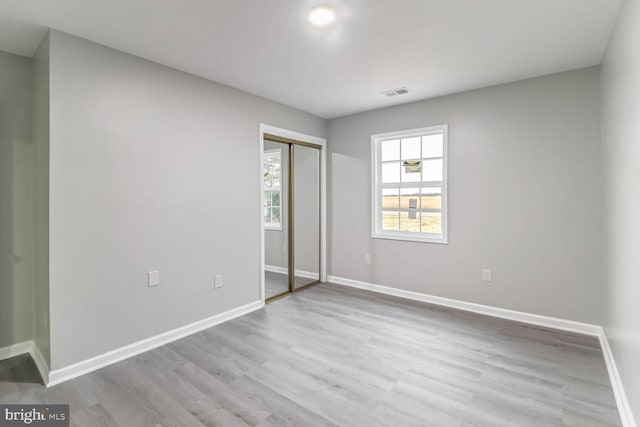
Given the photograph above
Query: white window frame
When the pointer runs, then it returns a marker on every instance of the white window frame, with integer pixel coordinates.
(271, 225)
(376, 187)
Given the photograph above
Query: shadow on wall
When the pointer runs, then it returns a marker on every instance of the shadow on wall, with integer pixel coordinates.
(7, 319)
(352, 224)
(16, 200)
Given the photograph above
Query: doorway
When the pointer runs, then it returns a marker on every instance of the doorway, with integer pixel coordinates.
(292, 212)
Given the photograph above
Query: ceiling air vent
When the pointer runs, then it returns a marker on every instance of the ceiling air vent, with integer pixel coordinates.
(394, 92)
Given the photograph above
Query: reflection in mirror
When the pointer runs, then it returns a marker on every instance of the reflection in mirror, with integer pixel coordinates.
(275, 187)
(306, 222)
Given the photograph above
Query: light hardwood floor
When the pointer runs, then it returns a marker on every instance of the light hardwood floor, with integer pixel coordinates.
(330, 355)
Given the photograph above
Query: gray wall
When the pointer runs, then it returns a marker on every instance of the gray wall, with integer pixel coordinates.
(524, 198)
(16, 201)
(40, 125)
(621, 139)
(150, 169)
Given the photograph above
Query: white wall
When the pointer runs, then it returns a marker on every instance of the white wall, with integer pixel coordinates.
(525, 198)
(150, 168)
(621, 139)
(16, 200)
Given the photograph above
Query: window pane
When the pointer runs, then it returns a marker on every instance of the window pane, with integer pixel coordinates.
(275, 198)
(432, 145)
(432, 170)
(409, 176)
(391, 172)
(390, 198)
(410, 198)
(431, 198)
(268, 179)
(410, 221)
(272, 172)
(390, 220)
(390, 150)
(431, 222)
(411, 148)
(275, 215)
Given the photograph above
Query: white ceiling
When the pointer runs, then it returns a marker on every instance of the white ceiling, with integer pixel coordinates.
(266, 47)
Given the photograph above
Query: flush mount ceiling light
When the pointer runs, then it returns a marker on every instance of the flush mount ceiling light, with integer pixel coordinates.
(322, 16)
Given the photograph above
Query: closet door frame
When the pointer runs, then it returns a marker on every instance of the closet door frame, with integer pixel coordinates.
(291, 137)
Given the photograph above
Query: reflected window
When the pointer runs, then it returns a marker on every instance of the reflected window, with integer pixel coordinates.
(272, 185)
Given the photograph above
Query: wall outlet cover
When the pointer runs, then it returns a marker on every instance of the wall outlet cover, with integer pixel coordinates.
(153, 278)
(217, 281)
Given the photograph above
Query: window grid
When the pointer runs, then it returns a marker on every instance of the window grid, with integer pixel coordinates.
(272, 187)
(428, 202)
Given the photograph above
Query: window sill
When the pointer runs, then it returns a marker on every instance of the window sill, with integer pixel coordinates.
(408, 238)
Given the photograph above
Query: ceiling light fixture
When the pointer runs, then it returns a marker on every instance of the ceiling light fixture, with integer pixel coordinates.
(322, 16)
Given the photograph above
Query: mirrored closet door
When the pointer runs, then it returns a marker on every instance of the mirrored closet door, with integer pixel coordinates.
(306, 190)
(275, 212)
(291, 210)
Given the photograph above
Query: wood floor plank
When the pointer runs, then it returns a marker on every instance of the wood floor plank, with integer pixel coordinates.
(333, 356)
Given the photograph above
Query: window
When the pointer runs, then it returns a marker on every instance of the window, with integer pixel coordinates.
(410, 185)
(272, 189)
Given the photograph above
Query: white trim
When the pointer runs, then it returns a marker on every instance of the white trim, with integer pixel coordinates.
(622, 402)
(35, 353)
(503, 313)
(15, 349)
(285, 133)
(72, 371)
(298, 273)
(40, 362)
(376, 220)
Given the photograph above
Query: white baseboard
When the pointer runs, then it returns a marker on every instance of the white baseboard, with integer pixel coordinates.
(35, 353)
(15, 349)
(616, 382)
(299, 273)
(533, 319)
(72, 371)
(40, 362)
(503, 313)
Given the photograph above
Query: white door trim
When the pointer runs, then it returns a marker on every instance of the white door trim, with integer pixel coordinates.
(285, 133)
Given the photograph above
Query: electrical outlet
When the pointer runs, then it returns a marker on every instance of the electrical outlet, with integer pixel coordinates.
(367, 259)
(486, 275)
(153, 278)
(217, 281)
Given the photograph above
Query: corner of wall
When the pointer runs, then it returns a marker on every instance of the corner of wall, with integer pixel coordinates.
(41, 128)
